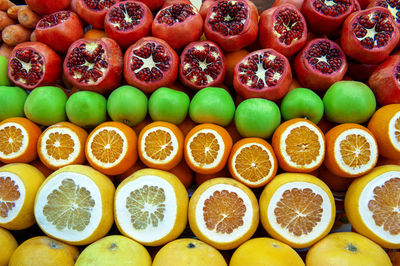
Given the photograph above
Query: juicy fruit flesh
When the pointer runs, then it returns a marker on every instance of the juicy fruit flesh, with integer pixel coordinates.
(59, 146)
(176, 13)
(397, 128)
(9, 193)
(302, 145)
(288, 26)
(253, 163)
(204, 148)
(53, 19)
(355, 150)
(11, 140)
(393, 6)
(332, 8)
(126, 16)
(324, 57)
(158, 145)
(228, 17)
(107, 146)
(27, 66)
(99, 4)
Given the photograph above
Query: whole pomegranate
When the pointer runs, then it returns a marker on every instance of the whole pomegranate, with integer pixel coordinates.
(44, 7)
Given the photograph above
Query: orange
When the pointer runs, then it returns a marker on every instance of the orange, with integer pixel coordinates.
(184, 173)
(252, 161)
(94, 34)
(231, 59)
(394, 257)
(351, 150)
(186, 125)
(297, 209)
(294, 85)
(299, 145)
(8, 245)
(18, 140)
(41, 167)
(62, 144)
(201, 178)
(223, 213)
(334, 182)
(137, 166)
(207, 147)
(231, 128)
(385, 126)
(111, 148)
(142, 124)
(160, 145)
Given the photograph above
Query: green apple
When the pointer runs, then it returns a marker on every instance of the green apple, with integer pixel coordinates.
(349, 102)
(4, 81)
(12, 100)
(257, 117)
(46, 105)
(168, 105)
(86, 108)
(128, 105)
(212, 105)
(302, 103)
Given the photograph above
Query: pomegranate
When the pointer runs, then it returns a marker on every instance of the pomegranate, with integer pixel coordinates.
(370, 35)
(360, 71)
(202, 65)
(94, 11)
(232, 24)
(171, 2)
(94, 65)
(364, 3)
(320, 64)
(296, 3)
(357, 6)
(59, 30)
(44, 7)
(385, 81)
(283, 28)
(205, 7)
(33, 64)
(392, 5)
(178, 25)
(262, 74)
(150, 63)
(153, 4)
(126, 22)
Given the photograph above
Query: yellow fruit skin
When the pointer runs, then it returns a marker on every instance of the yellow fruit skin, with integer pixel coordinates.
(8, 244)
(347, 249)
(114, 250)
(32, 178)
(192, 213)
(352, 207)
(44, 251)
(265, 251)
(182, 201)
(269, 191)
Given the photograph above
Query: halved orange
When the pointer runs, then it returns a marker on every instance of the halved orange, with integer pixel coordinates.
(223, 213)
(207, 147)
(160, 145)
(18, 140)
(111, 148)
(297, 209)
(62, 144)
(299, 145)
(252, 161)
(351, 150)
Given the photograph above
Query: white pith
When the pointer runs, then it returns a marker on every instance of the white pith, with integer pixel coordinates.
(287, 28)
(260, 73)
(392, 131)
(123, 216)
(127, 18)
(202, 64)
(228, 17)
(147, 62)
(321, 226)
(28, 66)
(25, 140)
(90, 48)
(371, 32)
(237, 233)
(66, 234)
(18, 203)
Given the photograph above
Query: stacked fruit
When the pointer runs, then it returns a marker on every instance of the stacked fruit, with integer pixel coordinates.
(172, 123)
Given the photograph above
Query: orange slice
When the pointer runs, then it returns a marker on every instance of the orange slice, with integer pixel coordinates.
(351, 150)
(75, 205)
(223, 213)
(62, 144)
(207, 147)
(111, 148)
(151, 207)
(297, 209)
(252, 161)
(299, 145)
(18, 140)
(160, 145)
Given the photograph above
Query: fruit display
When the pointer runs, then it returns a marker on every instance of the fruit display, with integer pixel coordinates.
(199, 132)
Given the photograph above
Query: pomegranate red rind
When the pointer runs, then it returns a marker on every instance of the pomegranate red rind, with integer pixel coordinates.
(152, 4)
(44, 7)
(205, 7)
(296, 3)
(392, 5)
(93, 11)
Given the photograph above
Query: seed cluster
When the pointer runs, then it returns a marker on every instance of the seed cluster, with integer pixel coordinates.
(118, 16)
(324, 57)
(334, 8)
(393, 6)
(99, 4)
(229, 17)
(288, 25)
(175, 14)
(53, 19)
(27, 65)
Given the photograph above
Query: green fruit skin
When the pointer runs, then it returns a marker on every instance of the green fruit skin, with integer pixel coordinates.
(128, 105)
(86, 109)
(12, 100)
(349, 102)
(4, 81)
(169, 105)
(46, 105)
(212, 105)
(257, 118)
(302, 103)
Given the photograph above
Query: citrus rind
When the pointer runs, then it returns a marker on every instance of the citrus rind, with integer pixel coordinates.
(394, 131)
(14, 210)
(24, 141)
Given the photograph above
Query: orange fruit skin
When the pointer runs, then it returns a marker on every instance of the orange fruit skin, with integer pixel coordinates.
(8, 245)
(231, 59)
(94, 34)
(138, 128)
(394, 257)
(201, 178)
(330, 138)
(33, 132)
(227, 139)
(136, 167)
(379, 126)
(186, 125)
(184, 173)
(41, 167)
(334, 182)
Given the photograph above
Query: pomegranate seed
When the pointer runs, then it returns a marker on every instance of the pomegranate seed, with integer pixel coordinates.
(27, 65)
(288, 24)
(53, 19)
(175, 14)
(126, 16)
(332, 8)
(227, 17)
(393, 6)
(324, 58)
(99, 4)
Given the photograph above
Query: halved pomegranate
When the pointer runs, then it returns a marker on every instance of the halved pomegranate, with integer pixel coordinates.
(370, 35)
(296, 3)
(94, 11)
(171, 2)
(232, 24)
(153, 4)
(94, 65)
(392, 5)
(178, 25)
(59, 30)
(128, 21)
(33, 64)
(202, 65)
(320, 64)
(44, 7)
(205, 7)
(283, 28)
(262, 74)
(150, 63)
